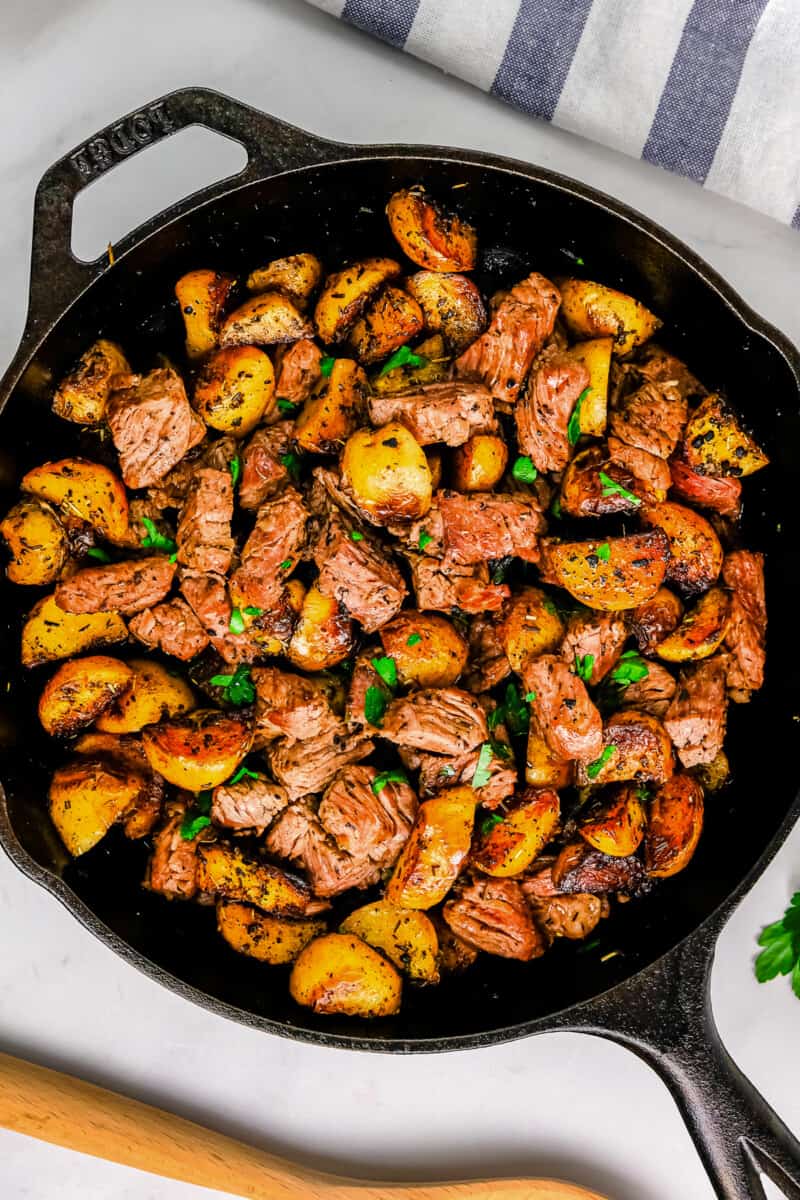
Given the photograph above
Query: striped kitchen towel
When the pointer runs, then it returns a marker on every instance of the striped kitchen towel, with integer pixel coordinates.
(708, 88)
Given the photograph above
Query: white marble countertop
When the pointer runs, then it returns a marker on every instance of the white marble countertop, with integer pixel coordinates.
(560, 1104)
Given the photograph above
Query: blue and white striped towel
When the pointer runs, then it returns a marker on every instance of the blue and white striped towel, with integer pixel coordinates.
(707, 88)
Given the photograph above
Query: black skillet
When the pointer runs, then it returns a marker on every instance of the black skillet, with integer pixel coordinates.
(300, 192)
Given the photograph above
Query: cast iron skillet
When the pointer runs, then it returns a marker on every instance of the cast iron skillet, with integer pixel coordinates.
(300, 192)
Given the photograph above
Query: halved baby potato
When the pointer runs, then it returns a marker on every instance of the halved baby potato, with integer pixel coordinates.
(406, 937)
(333, 409)
(266, 319)
(391, 320)
(615, 825)
(478, 465)
(155, 693)
(83, 394)
(387, 473)
(273, 637)
(530, 626)
(436, 850)
(701, 631)
(83, 489)
(225, 870)
(715, 443)
(432, 369)
(452, 305)
(592, 310)
(199, 749)
(675, 825)
(347, 293)
(511, 845)
(37, 542)
(79, 692)
(636, 747)
(296, 276)
(323, 635)
(616, 574)
(50, 633)
(340, 973)
(202, 296)
(87, 796)
(429, 236)
(270, 939)
(543, 769)
(427, 649)
(235, 389)
(595, 354)
(695, 552)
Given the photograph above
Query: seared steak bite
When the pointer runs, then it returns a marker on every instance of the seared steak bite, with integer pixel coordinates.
(653, 694)
(544, 408)
(723, 494)
(297, 370)
(571, 724)
(364, 677)
(743, 572)
(487, 525)
(172, 490)
(204, 529)
(438, 771)
(438, 412)
(492, 915)
(153, 425)
(593, 642)
(440, 588)
(270, 552)
(650, 474)
(207, 595)
(571, 915)
(251, 804)
(309, 766)
(172, 628)
(443, 720)
(290, 706)
(581, 868)
(172, 868)
(697, 715)
(358, 574)
(652, 418)
(488, 664)
(263, 472)
(125, 587)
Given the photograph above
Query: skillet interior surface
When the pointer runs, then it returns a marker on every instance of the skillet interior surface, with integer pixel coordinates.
(337, 211)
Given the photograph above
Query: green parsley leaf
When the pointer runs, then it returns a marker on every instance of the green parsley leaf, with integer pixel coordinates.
(549, 606)
(491, 821)
(286, 565)
(630, 669)
(529, 696)
(326, 365)
(173, 557)
(253, 611)
(517, 717)
(196, 816)
(524, 470)
(380, 781)
(221, 680)
(424, 539)
(501, 569)
(238, 687)
(574, 426)
(236, 623)
(101, 555)
(356, 536)
(404, 357)
(580, 262)
(243, 773)
(642, 793)
(594, 769)
(387, 669)
(781, 952)
(482, 773)
(235, 468)
(612, 488)
(603, 552)
(292, 464)
(375, 703)
(414, 639)
(287, 406)
(583, 666)
(154, 540)
(500, 749)
(555, 508)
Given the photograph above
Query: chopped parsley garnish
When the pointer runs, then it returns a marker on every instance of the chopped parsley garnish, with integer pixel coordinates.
(524, 470)
(424, 539)
(252, 610)
(500, 749)
(235, 468)
(482, 773)
(491, 821)
(404, 357)
(153, 540)
(174, 556)
(375, 703)
(356, 535)
(501, 569)
(380, 781)
(101, 555)
(612, 488)
(530, 696)
(414, 639)
(512, 711)
(574, 426)
(326, 365)
(555, 508)
(243, 773)
(196, 816)
(387, 669)
(287, 406)
(238, 687)
(594, 769)
(583, 667)
(603, 552)
(781, 942)
(292, 464)
(630, 669)
(286, 565)
(236, 623)
(549, 606)
(580, 262)
(642, 793)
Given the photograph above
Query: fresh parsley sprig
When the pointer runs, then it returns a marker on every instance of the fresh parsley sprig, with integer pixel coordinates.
(404, 357)
(574, 426)
(781, 952)
(196, 816)
(380, 781)
(583, 666)
(612, 488)
(153, 540)
(238, 688)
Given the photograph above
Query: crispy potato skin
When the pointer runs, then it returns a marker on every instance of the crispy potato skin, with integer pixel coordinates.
(323, 635)
(199, 749)
(643, 750)
(530, 626)
(695, 553)
(403, 378)
(297, 276)
(270, 939)
(431, 238)
(267, 319)
(631, 574)
(83, 489)
(155, 693)
(676, 822)
(452, 305)
(716, 444)
(332, 411)
(478, 465)
(542, 768)
(235, 389)
(388, 474)
(510, 847)
(652, 621)
(436, 850)
(37, 542)
(592, 310)
(616, 826)
(405, 936)
(346, 293)
(80, 690)
(83, 394)
(701, 631)
(391, 320)
(224, 870)
(202, 296)
(86, 797)
(595, 354)
(50, 633)
(437, 656)
(340, 973)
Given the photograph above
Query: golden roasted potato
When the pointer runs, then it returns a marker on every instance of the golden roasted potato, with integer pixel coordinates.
(273, 940)
(432, 369)
(427, 649)
(339, 973)
(616, 825)
(530, 626)
(511, 845)
(636, 747)
(432, 857)
(479, 464)
(296, 276)
(542, 768)
(87, 796)
(405, 936)
(83, 394)
(714, 775)
(79, 692)
(235, 389)
(701, 631)
(429, 236)
(592, 310)
(391, 320)
(37, 542)
(199, 749)
(323, 635)
(715, 443)
(225, 870)
(387, 473)
(695, 553)
(612, 575)
(83, 489)
(595, 354)
(333, 409)
(202, 296)
(676, 822)
(266, 319)
(155, 693)
(347, 293)
(49, 633)
(452, 305)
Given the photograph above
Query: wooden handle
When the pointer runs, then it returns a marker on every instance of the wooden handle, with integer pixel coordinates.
(79, 1116)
